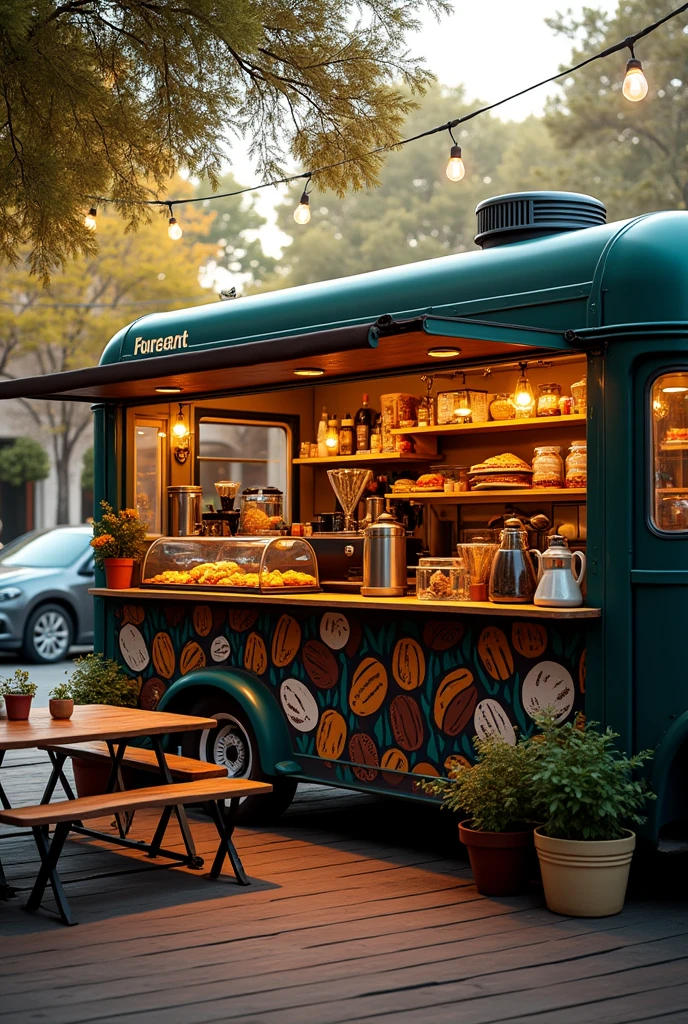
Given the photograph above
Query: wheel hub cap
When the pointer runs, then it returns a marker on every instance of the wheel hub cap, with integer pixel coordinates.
(51, 635)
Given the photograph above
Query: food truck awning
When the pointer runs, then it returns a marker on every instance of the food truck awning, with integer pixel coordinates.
(341, 352)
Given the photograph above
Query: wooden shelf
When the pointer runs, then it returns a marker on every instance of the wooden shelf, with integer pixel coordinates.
(344, 460)
(496, 426)
(490, 497)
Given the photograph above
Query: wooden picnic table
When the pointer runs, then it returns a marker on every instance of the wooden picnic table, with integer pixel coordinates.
(114, 725)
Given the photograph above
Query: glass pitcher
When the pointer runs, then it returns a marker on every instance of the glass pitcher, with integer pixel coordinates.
(512, 579)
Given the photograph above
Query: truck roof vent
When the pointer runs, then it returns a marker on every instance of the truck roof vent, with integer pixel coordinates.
(521, 215)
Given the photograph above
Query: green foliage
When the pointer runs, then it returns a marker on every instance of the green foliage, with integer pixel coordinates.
(87, 470)
(17, 684)
(495, 792)
(118, 535)
(23, 461)
(98, 680)
(582, 784)
(60, 692)
(113, 96)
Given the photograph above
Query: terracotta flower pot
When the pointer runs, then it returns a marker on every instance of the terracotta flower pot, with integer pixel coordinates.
(118, 573)
(18, 706)
(500, 861)
(585, 879)
(91, 777)
(61, 708)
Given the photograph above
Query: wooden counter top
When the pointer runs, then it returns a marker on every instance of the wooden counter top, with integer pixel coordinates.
(328, 600)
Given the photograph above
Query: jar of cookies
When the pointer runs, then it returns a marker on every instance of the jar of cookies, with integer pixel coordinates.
(548, 467)
(577, 465)
(502, 408)
(548, 400)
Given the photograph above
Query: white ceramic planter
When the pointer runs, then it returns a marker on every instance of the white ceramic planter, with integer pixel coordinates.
(585, 879)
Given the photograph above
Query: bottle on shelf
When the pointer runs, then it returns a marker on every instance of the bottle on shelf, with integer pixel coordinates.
(322, 435)
(346, 435)
(376, 436)
(332, 436)
(364, 424)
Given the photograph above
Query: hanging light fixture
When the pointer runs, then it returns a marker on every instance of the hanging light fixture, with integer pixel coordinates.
(462, 405)
(90, 219)
(180, 437)
(635, 85)
(455, 167)
(302, 213)
(174, 229)
(523, 397)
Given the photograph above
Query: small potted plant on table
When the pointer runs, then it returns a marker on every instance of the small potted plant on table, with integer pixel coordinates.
(98, 680)
(119, 540)
(18, 693)
(496, 795)
(60, 702)
(588, 795)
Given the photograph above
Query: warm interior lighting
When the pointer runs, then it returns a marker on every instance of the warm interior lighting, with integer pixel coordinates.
(444, 352)
(180, 428)
(463, 404)
(674, 390)
(523, 397)
(180, 437)
(161, 433)
(168, 391)
(308, 371)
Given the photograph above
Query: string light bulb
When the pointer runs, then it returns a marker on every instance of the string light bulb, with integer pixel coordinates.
(523, 397)
(174, 229)
(635, 85)
(90, 219)
(302, 213)
(456, 169)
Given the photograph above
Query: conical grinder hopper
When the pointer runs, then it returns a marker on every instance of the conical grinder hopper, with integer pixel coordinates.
(348, 486)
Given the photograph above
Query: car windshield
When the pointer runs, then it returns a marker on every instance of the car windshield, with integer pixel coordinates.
(55, 549)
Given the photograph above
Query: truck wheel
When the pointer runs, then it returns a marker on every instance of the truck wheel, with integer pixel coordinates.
(48, 634)
(233, 745)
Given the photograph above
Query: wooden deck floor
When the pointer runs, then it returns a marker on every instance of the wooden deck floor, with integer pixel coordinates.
(359, 910)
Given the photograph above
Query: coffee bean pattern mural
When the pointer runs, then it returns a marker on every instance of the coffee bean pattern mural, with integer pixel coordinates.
(371, 698)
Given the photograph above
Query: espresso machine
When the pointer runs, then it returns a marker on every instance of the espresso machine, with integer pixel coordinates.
(225, 522)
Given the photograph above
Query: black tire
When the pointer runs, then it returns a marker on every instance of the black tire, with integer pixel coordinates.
(233, 744)
(48, 635)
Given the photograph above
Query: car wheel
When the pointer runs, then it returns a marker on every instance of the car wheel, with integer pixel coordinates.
(48, 634)
(233, 745)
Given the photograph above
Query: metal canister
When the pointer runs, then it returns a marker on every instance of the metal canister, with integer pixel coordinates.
(374, 507)
(384, 558)
(185, 510)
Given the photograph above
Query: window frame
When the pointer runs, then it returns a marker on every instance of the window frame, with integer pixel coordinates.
(161, 424)
(241, 417)
(650, 490)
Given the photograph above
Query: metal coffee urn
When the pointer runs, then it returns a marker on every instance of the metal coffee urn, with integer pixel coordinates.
(185, 510)
(384, 558)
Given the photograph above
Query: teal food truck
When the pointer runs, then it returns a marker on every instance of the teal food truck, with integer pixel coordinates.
(309, 679)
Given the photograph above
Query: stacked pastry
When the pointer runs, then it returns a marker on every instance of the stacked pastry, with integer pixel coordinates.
(501, 472)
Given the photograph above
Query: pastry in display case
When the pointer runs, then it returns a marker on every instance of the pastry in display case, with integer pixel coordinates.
(263, 564)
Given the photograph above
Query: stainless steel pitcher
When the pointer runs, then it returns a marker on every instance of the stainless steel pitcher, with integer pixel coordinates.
(512, 578)
(384, 558)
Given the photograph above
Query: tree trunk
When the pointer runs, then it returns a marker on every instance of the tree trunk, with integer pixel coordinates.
(62, 467)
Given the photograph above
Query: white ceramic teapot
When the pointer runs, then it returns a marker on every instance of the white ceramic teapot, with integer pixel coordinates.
(558, 586)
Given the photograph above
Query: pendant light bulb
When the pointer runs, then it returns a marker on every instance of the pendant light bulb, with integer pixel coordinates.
(302, 213)
(455, 168)
(180, 429)
(90, 219)
(174, 229)
(635, 85)
(523, 398)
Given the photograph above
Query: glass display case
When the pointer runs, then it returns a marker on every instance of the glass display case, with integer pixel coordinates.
(670, 442)
(263, 564)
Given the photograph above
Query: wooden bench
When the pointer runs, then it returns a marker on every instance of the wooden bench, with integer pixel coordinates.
(182, 769)
(65, 813)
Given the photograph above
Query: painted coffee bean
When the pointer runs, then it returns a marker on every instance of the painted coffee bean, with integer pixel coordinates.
(286, 641)
(408, 664)
(460, 711)
(368, 687)
(449, 694)
(331, 735)
(164, 658)
(133, 613)
(442, 635)
(255, 654)
(192, 657)
(363, 752)
(334, 630)
(407, 722)
(548, 685)
(354, 641)
(455, 762)
(174, 614)
(151, 692)
(423, 768)
(491, 719)
(241, 619)
(133, 647)
(299, 705)
(495, 654)
(529, 639)
(202, 619)
(396, 760)
(220, 649)
(320, 664)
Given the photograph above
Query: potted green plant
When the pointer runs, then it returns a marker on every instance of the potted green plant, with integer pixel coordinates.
(496, 795)
(98, 680)
(60, 702)
(588, 796)
(119, 540)
(18, 692)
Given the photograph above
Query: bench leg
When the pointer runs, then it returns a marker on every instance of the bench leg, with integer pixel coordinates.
(57, 775)
(224, 823)
(156, 843)
(180, 812)
(3, 796)
(50, 854)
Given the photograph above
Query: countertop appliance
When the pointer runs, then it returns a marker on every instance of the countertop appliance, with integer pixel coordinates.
(185, 503)
(384, 559)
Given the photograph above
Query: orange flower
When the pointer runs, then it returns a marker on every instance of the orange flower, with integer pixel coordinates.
(100, 542)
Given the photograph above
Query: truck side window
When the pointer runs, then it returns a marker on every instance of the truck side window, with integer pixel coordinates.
(670, 452)
(255, 453)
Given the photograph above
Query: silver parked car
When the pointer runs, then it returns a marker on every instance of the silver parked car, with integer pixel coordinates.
(45, 606)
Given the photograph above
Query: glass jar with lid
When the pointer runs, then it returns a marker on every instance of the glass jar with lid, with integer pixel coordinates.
(548, 467)
(577, 465)
(548, 400)
(502, 408)
(261, 510)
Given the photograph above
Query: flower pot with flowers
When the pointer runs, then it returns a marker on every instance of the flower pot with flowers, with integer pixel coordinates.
(119, 540)
(496, 795)
(588, 796)
(60, 702)
(97, 680)
(18, 693)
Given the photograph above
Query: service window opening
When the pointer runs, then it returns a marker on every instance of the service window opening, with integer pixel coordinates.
(254, 452)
